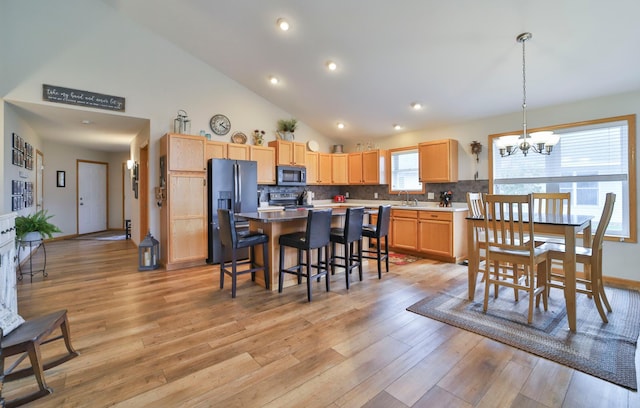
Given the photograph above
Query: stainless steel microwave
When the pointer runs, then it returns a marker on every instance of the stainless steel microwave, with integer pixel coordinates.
(291, 176)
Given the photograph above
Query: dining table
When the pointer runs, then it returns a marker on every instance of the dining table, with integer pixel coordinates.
(567, 226)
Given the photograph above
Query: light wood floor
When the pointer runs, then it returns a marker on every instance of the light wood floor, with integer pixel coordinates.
(176, 340)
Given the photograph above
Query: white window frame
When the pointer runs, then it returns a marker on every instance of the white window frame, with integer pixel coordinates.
(406, 180)
(570, 175)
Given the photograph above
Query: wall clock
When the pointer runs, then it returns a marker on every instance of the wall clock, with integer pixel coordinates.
(220, 124)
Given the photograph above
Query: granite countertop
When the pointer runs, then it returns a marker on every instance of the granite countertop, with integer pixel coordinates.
(422, 206)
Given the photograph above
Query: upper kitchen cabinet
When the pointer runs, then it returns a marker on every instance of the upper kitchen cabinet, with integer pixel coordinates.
(266, 158)
(438, 161)
(367, 167)
(318, 168)
(237, 151)
(339, 169)
(215, 150)
(289, 153)
(186, 153)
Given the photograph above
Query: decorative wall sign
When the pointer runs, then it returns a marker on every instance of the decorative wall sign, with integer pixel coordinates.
(77, 97)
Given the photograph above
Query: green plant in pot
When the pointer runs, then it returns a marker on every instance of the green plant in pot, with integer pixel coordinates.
(34, 227)
(286, 127)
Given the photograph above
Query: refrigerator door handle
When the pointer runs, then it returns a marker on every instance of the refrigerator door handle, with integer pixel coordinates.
(238, 187)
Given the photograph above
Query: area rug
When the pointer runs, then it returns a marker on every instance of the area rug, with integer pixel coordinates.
(603, 350)
(110, 235)
(401, 259)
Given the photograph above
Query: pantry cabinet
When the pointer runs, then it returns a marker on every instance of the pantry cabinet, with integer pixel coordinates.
(183, 216)
(438, 161)
(185, 153)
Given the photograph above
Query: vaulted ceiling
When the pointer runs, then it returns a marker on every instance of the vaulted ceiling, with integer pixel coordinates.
(459, 59)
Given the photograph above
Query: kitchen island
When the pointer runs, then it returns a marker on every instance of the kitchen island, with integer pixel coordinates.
(275, 224)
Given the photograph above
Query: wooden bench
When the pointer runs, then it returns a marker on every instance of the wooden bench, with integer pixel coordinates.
(26, 340)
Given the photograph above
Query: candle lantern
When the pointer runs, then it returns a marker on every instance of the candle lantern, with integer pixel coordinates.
(182, 124)
(148, 253)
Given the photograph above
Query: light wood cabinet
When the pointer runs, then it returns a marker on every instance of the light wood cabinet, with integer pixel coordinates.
(186, 153)
(183, 217)
(319, 168)
(367, 167)
(404, 229)
(442, 235)
(266, 158)
(289, 153)
(339, 170)
(236, 151)
(187, 218)
(438, 161)
(215, 150)
(438, 235)
(435, 232)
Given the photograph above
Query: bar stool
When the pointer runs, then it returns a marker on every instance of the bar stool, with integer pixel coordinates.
(316, 236)
(377, 232)
(229, 238)
(347, 236)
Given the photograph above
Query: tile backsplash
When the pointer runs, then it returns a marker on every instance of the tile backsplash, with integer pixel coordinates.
(459, 190)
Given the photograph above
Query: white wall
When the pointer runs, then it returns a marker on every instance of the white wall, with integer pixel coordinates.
(620, 259)
(13, 123)
(86, 45)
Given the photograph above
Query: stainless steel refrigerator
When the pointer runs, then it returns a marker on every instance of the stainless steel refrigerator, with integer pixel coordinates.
(232, 184)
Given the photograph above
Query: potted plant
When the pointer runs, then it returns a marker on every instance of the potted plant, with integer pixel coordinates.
(35, 227)
(286, 127)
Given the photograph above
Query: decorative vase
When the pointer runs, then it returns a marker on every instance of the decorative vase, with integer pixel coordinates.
(288, 136)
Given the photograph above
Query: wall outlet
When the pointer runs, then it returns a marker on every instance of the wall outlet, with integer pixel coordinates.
(375, 195)
(431, 196)
(346, 195)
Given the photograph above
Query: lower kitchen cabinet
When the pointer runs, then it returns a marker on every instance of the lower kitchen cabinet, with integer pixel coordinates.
(404, 229)
(438, 235)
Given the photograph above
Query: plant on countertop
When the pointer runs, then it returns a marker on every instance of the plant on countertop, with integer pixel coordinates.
(38, 221)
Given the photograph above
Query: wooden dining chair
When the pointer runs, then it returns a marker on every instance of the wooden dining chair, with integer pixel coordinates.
(475, 204)
(591, 258)
(509, 242)
(556, 204)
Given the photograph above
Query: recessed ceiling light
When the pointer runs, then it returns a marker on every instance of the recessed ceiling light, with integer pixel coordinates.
(397, 127)
(416, 106)
(86, 122)
(331, 65)
(274, 80)
(283, 24)
(340, 125)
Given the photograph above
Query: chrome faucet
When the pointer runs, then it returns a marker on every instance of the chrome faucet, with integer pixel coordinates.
(406, 197)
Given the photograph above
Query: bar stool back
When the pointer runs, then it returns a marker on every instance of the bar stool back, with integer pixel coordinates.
(231, 240)
(316, 236)
(347, 236)
(379, 231)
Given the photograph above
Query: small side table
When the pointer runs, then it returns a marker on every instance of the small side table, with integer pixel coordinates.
(34, 245)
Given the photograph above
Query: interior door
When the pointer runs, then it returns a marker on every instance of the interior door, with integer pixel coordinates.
(92, 196)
